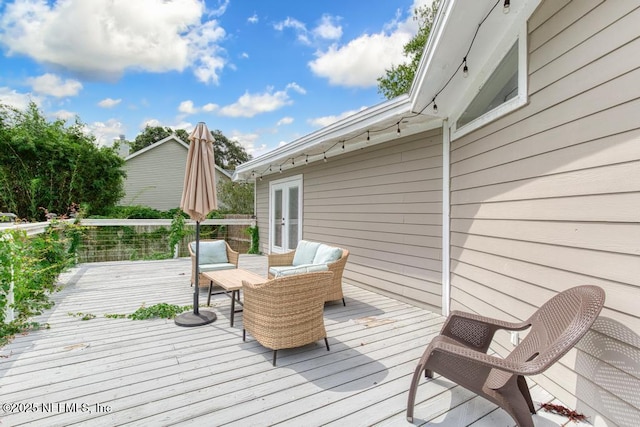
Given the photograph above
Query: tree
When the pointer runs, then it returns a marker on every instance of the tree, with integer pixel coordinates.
(152, 134)
(397, 80)
(228, 154)
(50, 166)
(237, 197)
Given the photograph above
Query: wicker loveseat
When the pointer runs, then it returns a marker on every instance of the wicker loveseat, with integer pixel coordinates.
(214, 255)
(311, 257)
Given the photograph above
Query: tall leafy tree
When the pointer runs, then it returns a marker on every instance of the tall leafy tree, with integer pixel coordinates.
(228, 154)
(152, 134)
(49, 166)
(398, 79)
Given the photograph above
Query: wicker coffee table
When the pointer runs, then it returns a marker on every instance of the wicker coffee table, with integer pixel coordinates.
(231, 281)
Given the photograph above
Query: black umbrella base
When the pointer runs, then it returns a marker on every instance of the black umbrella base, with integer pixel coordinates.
(192, 319)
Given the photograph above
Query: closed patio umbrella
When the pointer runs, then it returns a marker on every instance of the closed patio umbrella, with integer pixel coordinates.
(198, 199)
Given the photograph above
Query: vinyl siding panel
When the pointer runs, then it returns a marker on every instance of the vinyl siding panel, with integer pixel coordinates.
(548, 197)
(155, 178)
(384, 204)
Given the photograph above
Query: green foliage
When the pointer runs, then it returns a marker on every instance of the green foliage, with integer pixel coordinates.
(177, 232)
(82, 316)
(162, 311)
(228, 153)
(237, 197)
(49, 166)
(398, 80)
(255, 240)
(153, 134)
(33, 264)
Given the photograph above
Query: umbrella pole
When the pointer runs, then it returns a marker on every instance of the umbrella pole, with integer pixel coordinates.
(196, 288)
(196, 318)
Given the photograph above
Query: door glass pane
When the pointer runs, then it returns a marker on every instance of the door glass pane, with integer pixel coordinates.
(293, 217)
(277, 218)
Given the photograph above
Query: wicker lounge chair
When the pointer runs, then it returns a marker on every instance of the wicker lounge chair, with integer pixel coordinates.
(286, 312)
(459, 352)
(231, 260)
(334, 291)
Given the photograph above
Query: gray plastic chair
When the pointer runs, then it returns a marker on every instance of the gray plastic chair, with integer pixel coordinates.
(459, 352)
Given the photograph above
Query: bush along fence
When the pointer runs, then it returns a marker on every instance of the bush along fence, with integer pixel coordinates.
(29, 269)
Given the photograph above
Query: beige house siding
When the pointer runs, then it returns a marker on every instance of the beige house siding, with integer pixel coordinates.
(384, 204)
(547, 198)
(155, 177)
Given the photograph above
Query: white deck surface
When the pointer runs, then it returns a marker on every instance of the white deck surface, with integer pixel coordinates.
(107, 372)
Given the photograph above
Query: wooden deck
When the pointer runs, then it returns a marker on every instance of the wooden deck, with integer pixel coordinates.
(105, 372)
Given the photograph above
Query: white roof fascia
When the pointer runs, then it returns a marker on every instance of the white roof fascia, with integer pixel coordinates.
(356, 123)
(156, 144)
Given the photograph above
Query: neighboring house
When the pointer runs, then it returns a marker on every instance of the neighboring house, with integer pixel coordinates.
(155, 174)
(523, 182)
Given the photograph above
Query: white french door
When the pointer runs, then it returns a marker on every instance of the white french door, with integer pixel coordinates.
(285, 214)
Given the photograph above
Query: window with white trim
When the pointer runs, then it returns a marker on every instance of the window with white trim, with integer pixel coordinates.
(502, 92)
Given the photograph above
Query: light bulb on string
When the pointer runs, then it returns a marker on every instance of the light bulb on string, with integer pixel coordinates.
(324, 157)
(506, 7)
(368, 137)
(465, 69)
(398, 130)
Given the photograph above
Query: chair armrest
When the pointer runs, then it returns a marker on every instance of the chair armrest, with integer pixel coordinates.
(494, 362)
(232, 255)
(476, 331)
(275, 260)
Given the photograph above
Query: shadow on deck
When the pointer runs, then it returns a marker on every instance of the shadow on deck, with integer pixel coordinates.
(107, 371)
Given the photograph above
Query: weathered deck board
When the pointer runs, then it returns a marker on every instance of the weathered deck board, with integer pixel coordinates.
(156, 373)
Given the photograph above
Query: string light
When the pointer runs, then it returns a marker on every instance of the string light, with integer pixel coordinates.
(465, 73)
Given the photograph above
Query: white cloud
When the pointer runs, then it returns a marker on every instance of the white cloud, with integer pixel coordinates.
(187, 107)
(328, 29)
(53, 85)
(64, 115)
(327, 120)
(248, 142)
(151, 123)
(16, 99)
(285, 121)
(109, 102)
(251, 104)
(360, 62)
(299, 28)
(253, 19)
(104, 38)
(105, 132)
(207, 108)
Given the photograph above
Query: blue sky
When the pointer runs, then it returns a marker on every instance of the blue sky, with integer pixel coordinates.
(264, 72)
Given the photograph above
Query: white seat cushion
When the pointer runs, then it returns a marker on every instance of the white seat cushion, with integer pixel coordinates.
(305, 252)
(212, 252)
(216, 267)
(280, 271)
(327, 254)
